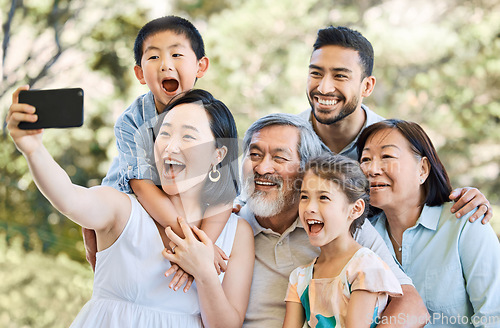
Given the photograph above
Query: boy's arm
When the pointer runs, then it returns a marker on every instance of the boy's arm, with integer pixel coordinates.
(156, 203)
(214, 220)
(213, 223)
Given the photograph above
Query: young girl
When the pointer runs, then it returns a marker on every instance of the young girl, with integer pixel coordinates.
(347, 285)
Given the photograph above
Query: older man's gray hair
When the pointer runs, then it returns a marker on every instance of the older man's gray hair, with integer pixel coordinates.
(310, 145)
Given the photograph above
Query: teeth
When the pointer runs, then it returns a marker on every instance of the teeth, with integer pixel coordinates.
(172, 162)
(264, 183)
(327, 102)
(314, 222)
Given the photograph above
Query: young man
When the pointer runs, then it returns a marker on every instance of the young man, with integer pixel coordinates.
(340, 76)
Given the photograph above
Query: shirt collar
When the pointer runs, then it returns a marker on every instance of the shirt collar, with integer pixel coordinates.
(429, 218)
(371, 118)
(350, 149)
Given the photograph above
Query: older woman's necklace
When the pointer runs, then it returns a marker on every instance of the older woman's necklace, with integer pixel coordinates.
(399, 245)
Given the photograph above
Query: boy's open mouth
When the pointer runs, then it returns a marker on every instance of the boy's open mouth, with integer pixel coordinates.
(315, 226)
(170, 85)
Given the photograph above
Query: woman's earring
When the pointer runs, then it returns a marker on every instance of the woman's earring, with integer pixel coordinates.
(214, 170)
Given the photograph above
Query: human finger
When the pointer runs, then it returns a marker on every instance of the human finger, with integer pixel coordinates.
(15, 95)
(202, 236)
(189, 283)
(175, 279)
(181, 281)
(487, 216)
(481, 210)
(474, 199)
(169, 256)
(219, 257)
(174, 238)
(172, 246)
(186, 229)
(463, 198)
(21, 112)
(221, 252)
(456, 193)
(236, 208)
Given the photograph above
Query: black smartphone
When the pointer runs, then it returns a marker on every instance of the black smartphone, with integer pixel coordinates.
(56, 108)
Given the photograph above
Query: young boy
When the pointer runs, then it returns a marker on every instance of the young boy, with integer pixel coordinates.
(169, 57)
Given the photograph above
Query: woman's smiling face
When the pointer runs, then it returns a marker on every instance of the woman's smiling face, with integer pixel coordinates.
(392, 168)
(184, 148)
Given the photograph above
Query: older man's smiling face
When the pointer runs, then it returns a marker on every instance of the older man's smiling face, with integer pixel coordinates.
(270, 169)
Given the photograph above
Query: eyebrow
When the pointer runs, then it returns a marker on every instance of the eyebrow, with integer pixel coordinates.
(184, 126)
(175, 45)
(384, 146)
(335, 69)
(149, 48)
(274, 150)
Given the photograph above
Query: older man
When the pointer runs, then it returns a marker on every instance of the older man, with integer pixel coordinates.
(276, 148)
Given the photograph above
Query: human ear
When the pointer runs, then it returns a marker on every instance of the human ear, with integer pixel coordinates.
(139, 74)
(357, 209)
(368, 85)
(424, 169)
(220, 154)
(202, 66)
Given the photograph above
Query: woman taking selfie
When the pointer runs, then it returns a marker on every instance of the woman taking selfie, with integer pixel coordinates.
(195, 138)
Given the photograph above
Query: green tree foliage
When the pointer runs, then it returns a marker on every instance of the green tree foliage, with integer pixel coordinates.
(436, 63)
(39, 290)
(64, 44)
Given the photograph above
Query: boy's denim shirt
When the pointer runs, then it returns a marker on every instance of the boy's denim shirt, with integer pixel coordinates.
(135, 143)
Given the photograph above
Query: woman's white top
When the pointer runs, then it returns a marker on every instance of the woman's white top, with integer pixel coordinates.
(130, 287)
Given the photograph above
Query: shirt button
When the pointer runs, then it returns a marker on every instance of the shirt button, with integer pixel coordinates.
(280, 243)
(130, 168)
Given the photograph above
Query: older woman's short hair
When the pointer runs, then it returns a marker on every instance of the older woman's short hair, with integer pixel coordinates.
(310, 145)
(437, 186)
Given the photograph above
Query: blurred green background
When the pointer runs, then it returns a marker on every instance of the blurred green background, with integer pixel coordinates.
(436, 63)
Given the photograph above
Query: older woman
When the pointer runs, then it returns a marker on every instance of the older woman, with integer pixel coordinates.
(196, 141)
(454, 264)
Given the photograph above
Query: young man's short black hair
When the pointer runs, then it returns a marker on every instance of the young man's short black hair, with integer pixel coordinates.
(347, 38)
(175, 24)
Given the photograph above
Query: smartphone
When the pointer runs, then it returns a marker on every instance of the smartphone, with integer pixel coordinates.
(56, 108)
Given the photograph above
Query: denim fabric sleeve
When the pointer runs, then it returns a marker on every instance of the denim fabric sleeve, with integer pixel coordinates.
(145, 160)
(479, 250)
(135, 150)
(368, 237)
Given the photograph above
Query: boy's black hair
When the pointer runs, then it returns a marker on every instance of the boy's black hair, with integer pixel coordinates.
(347, 38)
(175, 24)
